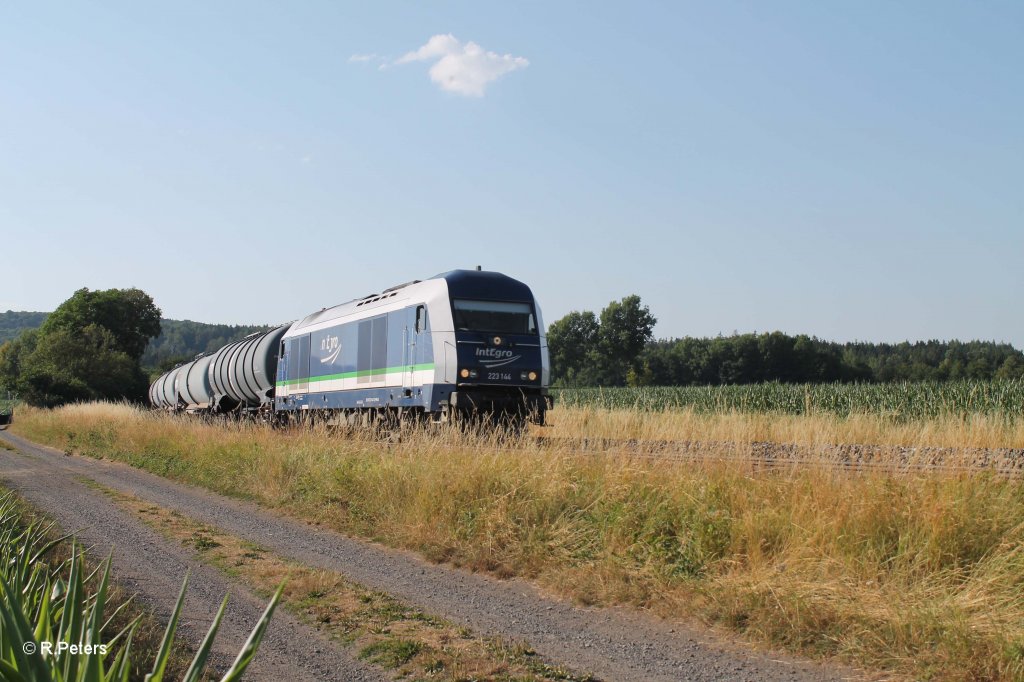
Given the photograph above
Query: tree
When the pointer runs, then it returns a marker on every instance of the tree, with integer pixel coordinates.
(571, 344)
(128, 314)
(626, 328)
(588, 352)
(1012, 368)
(76, 356)
(68, 367)
(13, 355)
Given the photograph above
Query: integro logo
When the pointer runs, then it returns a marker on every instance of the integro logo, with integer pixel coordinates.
(495, 357)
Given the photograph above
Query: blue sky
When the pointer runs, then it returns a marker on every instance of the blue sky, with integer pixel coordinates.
(850, 170)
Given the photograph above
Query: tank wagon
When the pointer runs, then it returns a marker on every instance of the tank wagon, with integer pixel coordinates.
(462, 342)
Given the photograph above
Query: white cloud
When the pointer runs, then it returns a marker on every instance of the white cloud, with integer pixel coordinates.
(363, 58)
(463, 68)
(437, 46)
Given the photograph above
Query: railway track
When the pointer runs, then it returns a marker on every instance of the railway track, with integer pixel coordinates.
(758, 455)
(767, 456)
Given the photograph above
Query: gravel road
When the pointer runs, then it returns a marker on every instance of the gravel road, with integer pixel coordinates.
(613, 644)
(154, 567)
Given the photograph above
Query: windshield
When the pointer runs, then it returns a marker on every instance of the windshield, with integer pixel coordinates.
(494, 316)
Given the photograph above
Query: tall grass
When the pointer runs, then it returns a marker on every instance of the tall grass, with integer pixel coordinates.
(818, 429)
(918, 574)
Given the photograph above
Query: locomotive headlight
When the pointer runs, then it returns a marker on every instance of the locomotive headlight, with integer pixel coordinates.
(464, 374)
(533, 376)
(467, 373)
(497, 340)
(528, 376)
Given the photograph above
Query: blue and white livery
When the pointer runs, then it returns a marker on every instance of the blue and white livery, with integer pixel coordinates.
(462, 342)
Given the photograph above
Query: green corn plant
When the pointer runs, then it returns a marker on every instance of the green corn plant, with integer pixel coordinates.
(52, 627)
(898, 400)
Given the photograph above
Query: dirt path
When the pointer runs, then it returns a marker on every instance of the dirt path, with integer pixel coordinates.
(614, 644)
(147, 563)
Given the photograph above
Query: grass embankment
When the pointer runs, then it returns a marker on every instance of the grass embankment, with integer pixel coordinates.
(918, 574)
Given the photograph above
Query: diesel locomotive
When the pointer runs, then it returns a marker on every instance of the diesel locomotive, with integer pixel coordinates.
(465, 342)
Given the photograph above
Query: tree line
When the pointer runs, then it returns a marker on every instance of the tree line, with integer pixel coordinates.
(87, 349)
(182, 340)
(13, 323)
(617, 348)
(178, 340)
(107, 344)
(100, 345)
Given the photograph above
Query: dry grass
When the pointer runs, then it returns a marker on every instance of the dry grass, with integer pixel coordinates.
(973, 431)
(922, 575)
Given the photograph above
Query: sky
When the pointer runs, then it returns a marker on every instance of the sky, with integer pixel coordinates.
(850, 170)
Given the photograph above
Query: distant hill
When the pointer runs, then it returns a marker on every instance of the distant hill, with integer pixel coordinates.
(14, 322)
(179, 339)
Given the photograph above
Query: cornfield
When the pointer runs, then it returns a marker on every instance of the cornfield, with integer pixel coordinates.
(900, 401)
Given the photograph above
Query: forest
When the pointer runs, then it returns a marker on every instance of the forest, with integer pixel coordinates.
(617, 348)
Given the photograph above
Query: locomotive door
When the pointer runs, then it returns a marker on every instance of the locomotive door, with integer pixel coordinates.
(303, 362)
(296, 361)
(415, 319)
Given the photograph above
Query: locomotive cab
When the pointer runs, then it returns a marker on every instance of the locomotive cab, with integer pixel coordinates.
(501, 354)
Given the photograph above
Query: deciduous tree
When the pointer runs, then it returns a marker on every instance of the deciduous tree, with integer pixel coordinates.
(626, 328)
(128, 314)
(87, 349)
(571, 344)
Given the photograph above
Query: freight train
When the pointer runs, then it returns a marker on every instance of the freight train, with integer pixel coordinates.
(462, 343)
